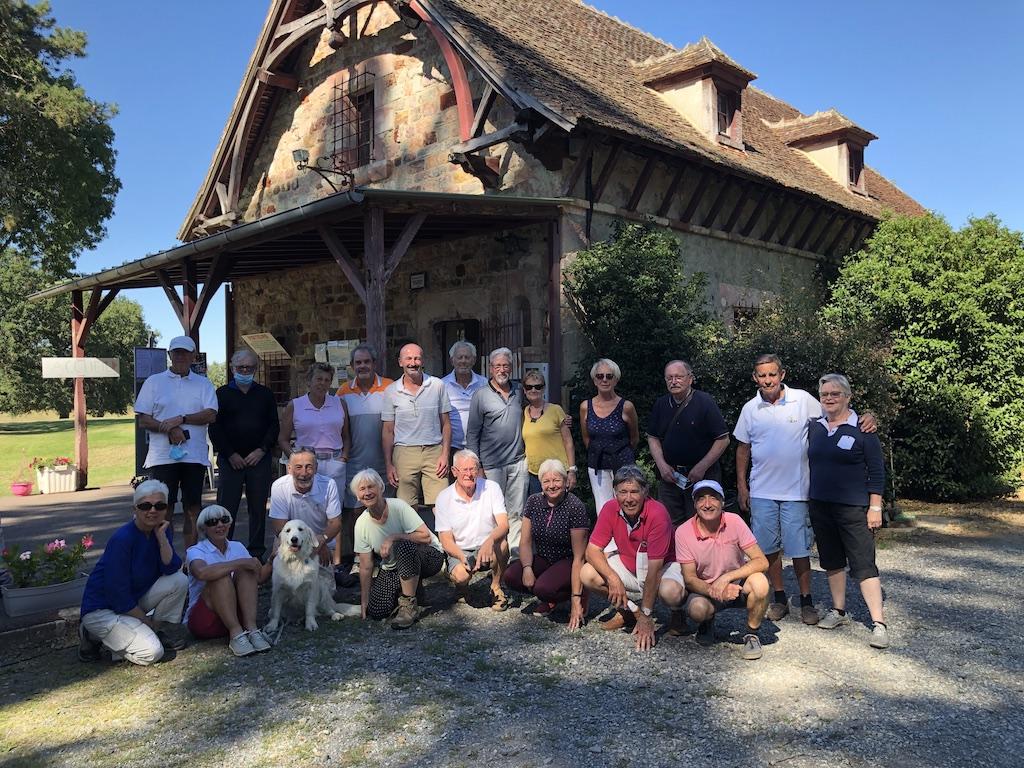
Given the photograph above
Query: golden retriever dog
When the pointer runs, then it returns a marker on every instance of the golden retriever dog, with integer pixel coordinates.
(299, 581)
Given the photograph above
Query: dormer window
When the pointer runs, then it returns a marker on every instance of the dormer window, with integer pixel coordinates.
(832, 142)
(855, 167)
(728, 106)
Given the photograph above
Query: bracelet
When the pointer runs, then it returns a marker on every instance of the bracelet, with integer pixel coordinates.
(577, 595)
(874, 509)
(527, 566)
(572, 468)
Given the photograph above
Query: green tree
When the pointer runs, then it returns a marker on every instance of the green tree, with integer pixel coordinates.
(951, 303)
(217, 373)
(57, 182)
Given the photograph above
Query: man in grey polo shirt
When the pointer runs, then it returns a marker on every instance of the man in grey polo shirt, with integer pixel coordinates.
(495, 434)
(417, 431)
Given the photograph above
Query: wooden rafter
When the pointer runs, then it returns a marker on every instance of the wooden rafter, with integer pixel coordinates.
(278, 79)
(716, 206)
(170, 291)
(756, 215)
(802, 240)
(737, 209)
(641, 184)
(219, 269)
(401, 245)
(517, 131)
(698, 194)
(606, 171)
(797, 215)
(824, 230)
(776, 220)
(839, 235)
(580, 165)
(670, 193)
(482, 111)
(344, 259)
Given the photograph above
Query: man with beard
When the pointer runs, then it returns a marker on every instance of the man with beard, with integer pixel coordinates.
(304, 495)
(495, 434)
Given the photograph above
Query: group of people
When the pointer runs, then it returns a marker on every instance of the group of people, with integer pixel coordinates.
(402, 479)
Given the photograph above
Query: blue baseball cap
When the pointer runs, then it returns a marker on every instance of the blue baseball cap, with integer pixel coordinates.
(711, 485)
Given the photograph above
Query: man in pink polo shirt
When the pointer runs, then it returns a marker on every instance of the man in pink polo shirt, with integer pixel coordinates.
(644, 566)
(723, 567)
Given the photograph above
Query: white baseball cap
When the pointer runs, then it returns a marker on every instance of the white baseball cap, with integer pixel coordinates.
(182, 342)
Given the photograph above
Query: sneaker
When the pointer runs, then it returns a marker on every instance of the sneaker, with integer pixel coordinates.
(676, 623)
(259, 641)
(240, 645)
(407, 613)
(809, 614)
(777, 611)
(833, 619)
(173, 636)
(88, 646)
(543, 608)
(879, 636)
(617, 621)
(706, 633)
(752, 647)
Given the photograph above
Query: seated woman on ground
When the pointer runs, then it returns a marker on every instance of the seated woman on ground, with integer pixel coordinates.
(409, 553)
(553, 545)
(222, 583)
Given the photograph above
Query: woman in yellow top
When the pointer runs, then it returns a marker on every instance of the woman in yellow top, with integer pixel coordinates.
(546, 432)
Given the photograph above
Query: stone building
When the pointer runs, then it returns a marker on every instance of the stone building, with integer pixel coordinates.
(423, 169)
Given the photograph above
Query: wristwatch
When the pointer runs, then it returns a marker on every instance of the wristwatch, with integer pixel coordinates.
(572, 468)
(646, 612)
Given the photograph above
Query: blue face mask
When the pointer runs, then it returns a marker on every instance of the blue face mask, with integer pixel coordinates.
(178, 452)
(244, 379)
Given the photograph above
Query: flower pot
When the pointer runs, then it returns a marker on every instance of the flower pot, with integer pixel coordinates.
(21, 489)
(21, 601)
(60, 479)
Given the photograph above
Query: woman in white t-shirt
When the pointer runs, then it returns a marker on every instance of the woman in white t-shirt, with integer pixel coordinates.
(409, 553)
(222, 583)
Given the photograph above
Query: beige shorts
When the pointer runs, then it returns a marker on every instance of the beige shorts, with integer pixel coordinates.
(416, 466)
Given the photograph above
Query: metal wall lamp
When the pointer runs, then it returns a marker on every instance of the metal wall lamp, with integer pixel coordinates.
(301, 158)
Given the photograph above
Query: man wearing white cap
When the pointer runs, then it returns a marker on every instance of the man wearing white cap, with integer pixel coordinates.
(174, 407)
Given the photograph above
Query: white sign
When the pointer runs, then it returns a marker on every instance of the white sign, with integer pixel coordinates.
(264, 344)
(81, 367)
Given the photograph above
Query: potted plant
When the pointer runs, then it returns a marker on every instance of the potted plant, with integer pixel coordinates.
(55, 475)
(45, 579)
(21, 485)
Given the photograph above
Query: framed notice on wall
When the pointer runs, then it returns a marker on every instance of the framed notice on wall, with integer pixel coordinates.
(265, 345)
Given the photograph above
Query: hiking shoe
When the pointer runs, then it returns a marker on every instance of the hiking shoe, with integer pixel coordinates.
(879, 636)
(833, 619)
(407, 613)
(752, 647)
(499, 601)
(240, 645)
(88, 646)
(259, 641)
(777, 611)
(706, 633)
(172, 636)
(809, 614)
(617, 621)
(676, 623)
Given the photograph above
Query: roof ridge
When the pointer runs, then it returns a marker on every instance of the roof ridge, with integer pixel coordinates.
(816, 115)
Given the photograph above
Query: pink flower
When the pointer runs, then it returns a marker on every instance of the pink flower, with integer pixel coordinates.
(54, 546)
(87, 541)
(25, 556)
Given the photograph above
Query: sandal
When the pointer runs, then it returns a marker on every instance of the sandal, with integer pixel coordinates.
(499, 601)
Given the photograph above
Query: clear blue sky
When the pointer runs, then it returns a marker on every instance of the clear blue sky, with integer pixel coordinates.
(938, 82)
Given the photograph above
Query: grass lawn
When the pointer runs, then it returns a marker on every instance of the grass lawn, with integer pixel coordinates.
(111, 446)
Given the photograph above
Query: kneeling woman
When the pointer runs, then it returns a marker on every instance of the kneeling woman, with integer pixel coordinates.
(223, 578)
(552, 545)
(409, 552)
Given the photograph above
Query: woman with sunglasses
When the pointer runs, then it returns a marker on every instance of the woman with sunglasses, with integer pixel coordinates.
(222, 582)
(610, 431)
(546, 433)
(134, 596)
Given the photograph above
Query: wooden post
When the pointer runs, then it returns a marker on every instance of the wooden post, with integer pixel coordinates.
(376, 277)
(81, 425)
(554, 311)
(189, 299)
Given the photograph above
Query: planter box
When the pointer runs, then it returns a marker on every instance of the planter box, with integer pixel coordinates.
(57, 479)
(21, 601)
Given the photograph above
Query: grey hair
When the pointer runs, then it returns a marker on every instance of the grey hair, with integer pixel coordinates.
(243, 352)
(367, 348)
(300, 451)
(214, 510)
(368, 475)
(611, 365)
(148, 488)
(319, 367)
(838, 379)
(631, 472)
(686, 365)
(769, 358)
(552, 465)
(534, 374)
(459, 345)
(500, 352)
(465, 453)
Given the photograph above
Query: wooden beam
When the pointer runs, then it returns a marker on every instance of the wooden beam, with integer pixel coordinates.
(606, 171)
(641, 184)
(110, 295)
(344, 259)
(581, 163)
(767, 234)
(222, 197)
(515, 132)
(839, 235)
(189, 297)
(412, 226)
(376, 282)
(698, 193)
(734, 217)
(670, 193)
(792, 224)
(755, 216)
(480, 118)
(554, 311)
(277, 79)
(716, 206)
(824, 230)
(802, 241)
(78, 317)
(172, 294)
(220, 266)
(863, 231)
(456, 70)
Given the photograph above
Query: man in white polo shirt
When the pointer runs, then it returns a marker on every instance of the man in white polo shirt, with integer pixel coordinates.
(304, 495)
(472, 525)
(417, 431)
(175, 406)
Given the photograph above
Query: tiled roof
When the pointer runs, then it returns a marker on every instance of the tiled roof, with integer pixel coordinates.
(693, 56)
(578, 62)
(819, 124)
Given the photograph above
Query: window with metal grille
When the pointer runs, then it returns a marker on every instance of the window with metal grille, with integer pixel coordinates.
(353, 122)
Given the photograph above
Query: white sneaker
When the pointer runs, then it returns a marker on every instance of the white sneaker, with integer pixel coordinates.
(879, 636)
(259, 641)
(241, 646)
(833, 619)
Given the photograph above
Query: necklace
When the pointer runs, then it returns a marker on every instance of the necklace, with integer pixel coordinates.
(533, 419)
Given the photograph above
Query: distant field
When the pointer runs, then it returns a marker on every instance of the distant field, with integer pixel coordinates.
(111, 446)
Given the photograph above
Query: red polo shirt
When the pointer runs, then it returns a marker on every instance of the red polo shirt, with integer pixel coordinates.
(654, 528)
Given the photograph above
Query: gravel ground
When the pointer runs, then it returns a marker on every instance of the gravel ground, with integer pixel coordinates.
(468, 686)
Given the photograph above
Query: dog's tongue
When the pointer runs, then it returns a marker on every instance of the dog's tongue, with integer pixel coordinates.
(295, 547)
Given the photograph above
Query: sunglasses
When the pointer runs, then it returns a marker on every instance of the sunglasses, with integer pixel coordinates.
(529, 387)
(604, 376)
(145, 506)
(225, 520)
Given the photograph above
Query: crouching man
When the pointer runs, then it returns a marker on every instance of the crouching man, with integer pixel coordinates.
(722, 567)
(643, 567)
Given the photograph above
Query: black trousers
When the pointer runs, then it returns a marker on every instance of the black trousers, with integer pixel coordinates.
(256, 482)
(679, 502)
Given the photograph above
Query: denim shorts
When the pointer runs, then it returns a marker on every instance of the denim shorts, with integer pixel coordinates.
(781, 525)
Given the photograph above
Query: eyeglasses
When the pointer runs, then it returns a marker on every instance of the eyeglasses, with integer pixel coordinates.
(464, 470)
(529, 387)
(678, 377)
(604, 376)
(244, 368)
(831, 395)
(145, 506)
(225, 520)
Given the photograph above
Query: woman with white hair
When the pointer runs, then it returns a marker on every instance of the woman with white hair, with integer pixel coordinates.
(223, 578)
(409, 553)
(553, 545)
(610, 431)
(134, 596)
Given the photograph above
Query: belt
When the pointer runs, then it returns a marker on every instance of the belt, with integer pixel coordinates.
(324, 455)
